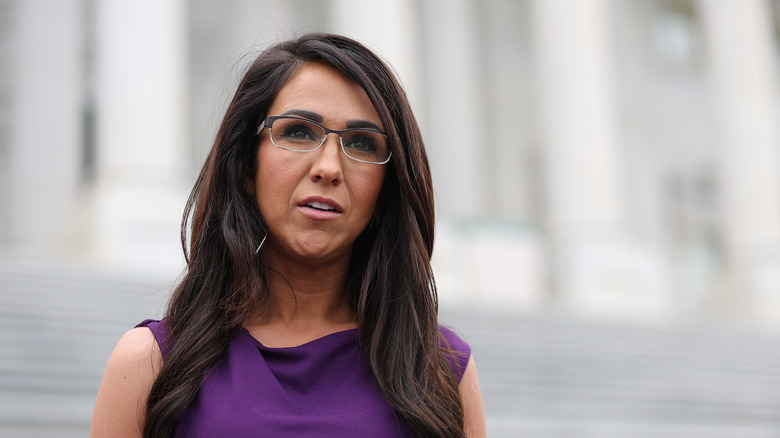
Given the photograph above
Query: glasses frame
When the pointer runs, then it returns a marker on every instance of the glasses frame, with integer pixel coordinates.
(269, 121)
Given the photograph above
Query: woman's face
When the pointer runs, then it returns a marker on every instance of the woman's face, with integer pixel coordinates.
(315, 204)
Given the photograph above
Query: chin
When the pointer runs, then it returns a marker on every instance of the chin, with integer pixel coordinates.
(319, 251)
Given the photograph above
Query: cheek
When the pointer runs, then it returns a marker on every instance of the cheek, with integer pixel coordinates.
(367, 192)
(273, 182)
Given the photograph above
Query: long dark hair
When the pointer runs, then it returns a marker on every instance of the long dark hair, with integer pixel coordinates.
(390, 281)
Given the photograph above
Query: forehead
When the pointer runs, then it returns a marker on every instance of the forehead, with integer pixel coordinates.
(322, 89)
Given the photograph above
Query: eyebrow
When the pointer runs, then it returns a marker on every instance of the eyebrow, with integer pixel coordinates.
(351, 124)
(354, 124)
(305, 114)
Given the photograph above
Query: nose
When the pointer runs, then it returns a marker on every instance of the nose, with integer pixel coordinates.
(327, 164)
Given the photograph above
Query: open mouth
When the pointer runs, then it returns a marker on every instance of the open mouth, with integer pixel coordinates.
(320, 206)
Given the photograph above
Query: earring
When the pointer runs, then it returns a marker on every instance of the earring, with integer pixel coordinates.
(261, 244)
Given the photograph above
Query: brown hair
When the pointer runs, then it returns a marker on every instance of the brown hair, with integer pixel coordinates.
(391, 284)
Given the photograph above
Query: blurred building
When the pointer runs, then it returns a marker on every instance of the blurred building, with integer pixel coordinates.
(592, 159)
(600, 157)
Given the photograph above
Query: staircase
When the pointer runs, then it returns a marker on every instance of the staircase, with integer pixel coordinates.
(555, 377)
(541, 377)
(58, 326)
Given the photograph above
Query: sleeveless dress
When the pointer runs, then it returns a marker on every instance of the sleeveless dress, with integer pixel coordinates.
(323, 388)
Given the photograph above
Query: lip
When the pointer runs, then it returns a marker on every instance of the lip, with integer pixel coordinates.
(320, 214)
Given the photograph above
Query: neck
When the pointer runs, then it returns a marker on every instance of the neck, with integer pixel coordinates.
(305, 294)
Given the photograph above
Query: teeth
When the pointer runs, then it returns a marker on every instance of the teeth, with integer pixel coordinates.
(320, 206)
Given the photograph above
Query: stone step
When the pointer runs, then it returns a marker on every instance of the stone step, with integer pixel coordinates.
(549, 376)
(542, 375)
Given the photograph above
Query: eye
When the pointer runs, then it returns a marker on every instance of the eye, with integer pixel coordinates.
(298, 131)
(364, 142)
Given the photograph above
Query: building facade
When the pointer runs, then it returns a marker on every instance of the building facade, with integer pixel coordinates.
(599, 157)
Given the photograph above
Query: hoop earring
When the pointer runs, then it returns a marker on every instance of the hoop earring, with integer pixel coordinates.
(261, 244)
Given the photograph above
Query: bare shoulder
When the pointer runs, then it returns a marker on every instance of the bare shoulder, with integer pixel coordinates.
(471, 396)
(130, 373)
(137, 344)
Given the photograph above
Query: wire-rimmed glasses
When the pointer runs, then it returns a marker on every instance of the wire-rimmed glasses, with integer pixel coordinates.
(303, 135)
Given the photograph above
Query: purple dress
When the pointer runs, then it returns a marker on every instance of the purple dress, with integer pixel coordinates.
(323, 388)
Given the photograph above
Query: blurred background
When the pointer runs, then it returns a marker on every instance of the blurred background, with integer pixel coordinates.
(606, 176)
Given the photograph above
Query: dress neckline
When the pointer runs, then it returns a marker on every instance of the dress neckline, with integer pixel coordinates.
(338, 334)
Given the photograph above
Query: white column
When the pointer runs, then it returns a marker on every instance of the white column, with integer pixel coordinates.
(596, 268)
(45, 135)
(390, 29)
(228, 34)
(453, 108)
(745, 88)
(141, 76)
(511, 126)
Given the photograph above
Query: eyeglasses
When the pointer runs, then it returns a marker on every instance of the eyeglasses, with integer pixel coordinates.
(302, 135)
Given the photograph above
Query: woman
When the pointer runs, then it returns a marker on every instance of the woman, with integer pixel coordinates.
(308, 307)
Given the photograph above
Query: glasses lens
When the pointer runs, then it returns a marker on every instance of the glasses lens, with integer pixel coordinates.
(296, 134)
(367, 146)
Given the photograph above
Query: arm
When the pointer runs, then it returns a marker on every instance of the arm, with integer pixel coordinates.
(471, 397)
(121, 400)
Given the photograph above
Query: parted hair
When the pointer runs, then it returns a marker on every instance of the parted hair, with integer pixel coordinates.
(390, 283)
